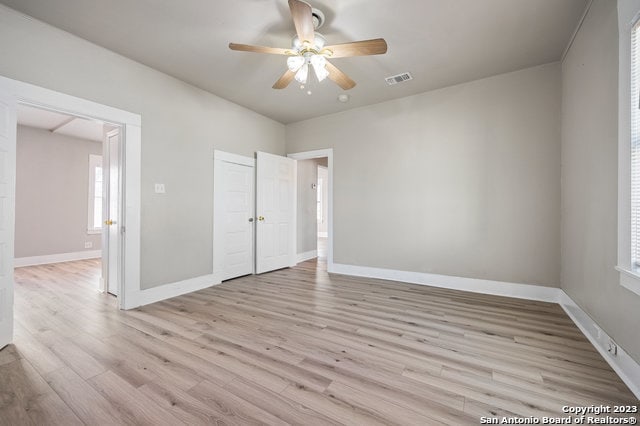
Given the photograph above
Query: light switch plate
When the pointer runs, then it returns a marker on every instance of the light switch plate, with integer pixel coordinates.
(160, 188)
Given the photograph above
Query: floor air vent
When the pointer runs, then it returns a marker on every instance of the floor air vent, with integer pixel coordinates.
(400, 78)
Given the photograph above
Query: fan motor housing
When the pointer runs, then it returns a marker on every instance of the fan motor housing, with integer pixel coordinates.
(318, 43)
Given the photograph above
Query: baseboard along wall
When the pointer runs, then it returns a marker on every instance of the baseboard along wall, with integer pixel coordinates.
(476, 285)
(167, 291)
(56, 258)
(308, 255)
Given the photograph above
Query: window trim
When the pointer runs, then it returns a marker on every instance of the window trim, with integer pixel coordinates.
(628, 16)
(94, 160)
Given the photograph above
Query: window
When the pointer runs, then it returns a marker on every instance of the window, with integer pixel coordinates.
(629, 149)
(95, 195)
(635, 147)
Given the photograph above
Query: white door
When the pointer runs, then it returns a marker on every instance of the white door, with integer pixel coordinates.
(233, 227)
(276, 211)
(7, 209)
(111, 211)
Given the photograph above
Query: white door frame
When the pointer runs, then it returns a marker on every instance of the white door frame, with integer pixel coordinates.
(321, 153)
(218, 247)
(130, 124)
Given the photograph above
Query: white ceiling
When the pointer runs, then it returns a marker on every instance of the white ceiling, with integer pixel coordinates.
(441, 42)
(62, 124)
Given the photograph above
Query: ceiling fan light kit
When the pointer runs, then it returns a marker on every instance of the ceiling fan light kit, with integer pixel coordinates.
(308, 48)
(306, 56)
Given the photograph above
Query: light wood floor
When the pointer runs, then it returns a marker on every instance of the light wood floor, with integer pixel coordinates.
(294, 346)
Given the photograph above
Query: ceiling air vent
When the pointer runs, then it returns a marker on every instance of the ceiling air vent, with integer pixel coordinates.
(400, 78)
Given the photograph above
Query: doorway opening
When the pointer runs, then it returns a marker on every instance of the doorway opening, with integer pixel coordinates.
(315, 206)
(126, 255)
(68, 186)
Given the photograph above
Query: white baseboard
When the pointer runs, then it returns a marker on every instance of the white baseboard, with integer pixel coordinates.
(476, 285)
(625, 366)
(56, 258)
(301, 257)
(167, 291)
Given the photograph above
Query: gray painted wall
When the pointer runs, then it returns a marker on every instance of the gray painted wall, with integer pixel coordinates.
(181, 126)
(52, 191)
(460, 181)
(589, 179)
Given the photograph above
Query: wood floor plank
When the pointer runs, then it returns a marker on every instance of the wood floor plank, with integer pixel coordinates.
(183, 406)
(291, 372)
(435, 403)
(383, 409)
(131, 404)
(30, 399)
(280, 406)
(82, 398)
(234, 410)
(333, 407)
(73, 356)
(50, 409)
(38, 354)
(156, 363)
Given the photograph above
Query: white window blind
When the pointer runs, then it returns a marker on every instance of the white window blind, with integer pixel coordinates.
(635, 147)
(629, 149)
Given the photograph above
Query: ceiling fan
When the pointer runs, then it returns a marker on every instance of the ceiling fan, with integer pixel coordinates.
(309, 49)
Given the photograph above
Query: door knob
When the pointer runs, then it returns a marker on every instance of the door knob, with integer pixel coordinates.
(250, 219)
(261, 218)
(109, 222)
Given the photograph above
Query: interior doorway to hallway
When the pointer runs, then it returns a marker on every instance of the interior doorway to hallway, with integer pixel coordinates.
(315, 206)
(68, 185)
(127, 266)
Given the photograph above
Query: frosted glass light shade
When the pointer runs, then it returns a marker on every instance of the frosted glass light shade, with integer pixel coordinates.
(319, 62)
(295, 62)
(302, 74)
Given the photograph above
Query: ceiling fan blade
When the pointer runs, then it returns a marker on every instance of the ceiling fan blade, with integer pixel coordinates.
(376, 46)
(303, 20)
(284, 81)
(340, 78)
(260, 49)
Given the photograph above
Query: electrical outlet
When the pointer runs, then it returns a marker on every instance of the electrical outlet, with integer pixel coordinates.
(88, 244)
(160, 188)
(613, 348)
